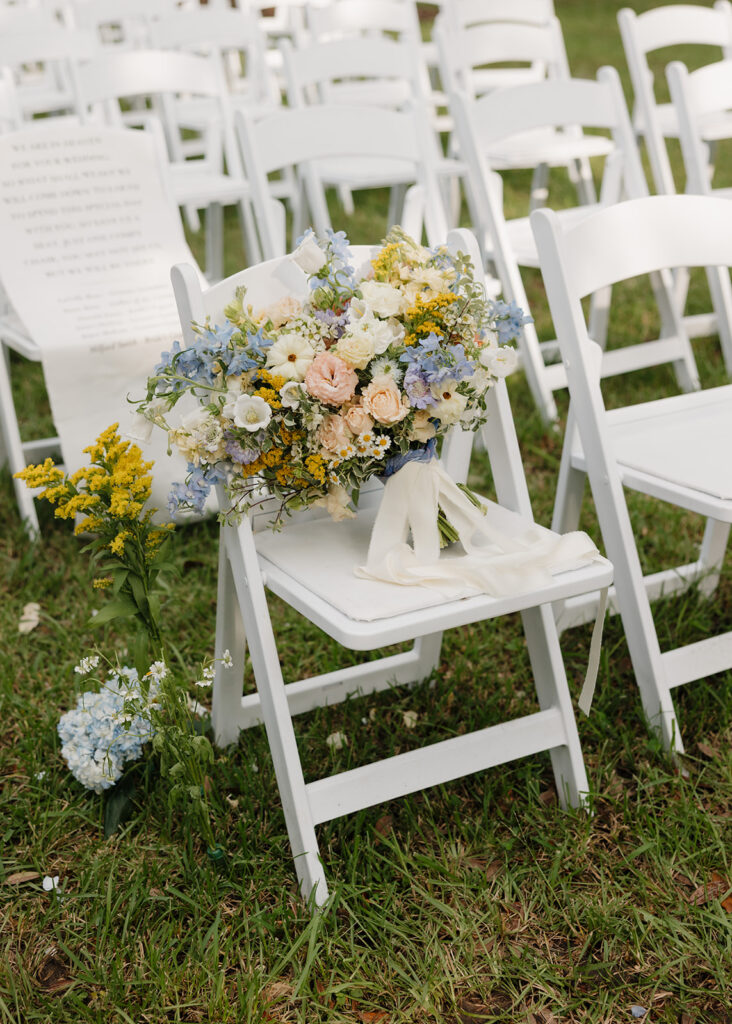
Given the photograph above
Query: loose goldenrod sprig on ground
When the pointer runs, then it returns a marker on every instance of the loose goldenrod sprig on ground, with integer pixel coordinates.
(108, 499)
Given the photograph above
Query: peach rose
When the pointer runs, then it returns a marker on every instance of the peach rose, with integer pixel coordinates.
(330, 380)
(383, 400)
(333, 433)
(358, 419)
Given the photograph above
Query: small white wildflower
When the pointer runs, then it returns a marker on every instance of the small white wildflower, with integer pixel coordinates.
(226, 660)
(157, 671)
(40, 776)
(337, 740)
(50, 883)
(87, 665)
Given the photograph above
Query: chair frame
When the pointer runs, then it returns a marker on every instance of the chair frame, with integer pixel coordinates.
(670, 231)
(697, 96)
(242, 617)
(495, 118)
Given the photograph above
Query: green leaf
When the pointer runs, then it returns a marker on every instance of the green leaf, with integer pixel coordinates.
(141, 652)
(119, 608)
(138, 592)
(118, 576)
(118, 806)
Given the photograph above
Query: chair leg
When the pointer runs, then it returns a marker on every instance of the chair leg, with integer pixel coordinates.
(428, 649)
(346, 197)
(396, 204)
(12, 446)
(275, 712)
(214, 242)
(533, 364)
(713, 550)
(552, 690)
(228, 682)
(539, 187)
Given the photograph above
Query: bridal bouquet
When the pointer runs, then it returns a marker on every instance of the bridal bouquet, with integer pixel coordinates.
(307, 398)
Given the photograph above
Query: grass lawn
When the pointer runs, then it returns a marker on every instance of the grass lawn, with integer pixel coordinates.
(475, 902)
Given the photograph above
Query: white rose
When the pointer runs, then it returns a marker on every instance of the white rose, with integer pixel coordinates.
(250, 412)
(290, 356)
(308, 255)
(501, 361)
(356, 348)
(384, 299)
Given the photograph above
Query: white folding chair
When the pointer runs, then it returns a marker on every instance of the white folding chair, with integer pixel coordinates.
(468, 59)
(161, 77)
(394, 142)
(504, 118)
(702, 102)
(251, 560)
(657, 29)
(674, 449)
(466, 16)
(377, 71)
(40, 58)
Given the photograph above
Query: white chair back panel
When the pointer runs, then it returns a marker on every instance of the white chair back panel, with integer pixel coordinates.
(641, 237)
(138, 72)
(364, 17)
(685, 23)
(310, 134)
(550, 103)
(351, 58)
(51, 44)
(475, 12)
(228, 29)
(505, 41)
(709, 89)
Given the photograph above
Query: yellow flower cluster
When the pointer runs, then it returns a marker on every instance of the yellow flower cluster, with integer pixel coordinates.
(388, 263)
(271, 397)
(427, 316)
(110, 493)
(315, 466)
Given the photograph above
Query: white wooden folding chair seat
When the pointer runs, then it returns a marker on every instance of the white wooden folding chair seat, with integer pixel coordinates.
(674, 449)
(656, 29)
(309, 564)
(701, 99)
(509, 244)
(160, 77)
(368, 136)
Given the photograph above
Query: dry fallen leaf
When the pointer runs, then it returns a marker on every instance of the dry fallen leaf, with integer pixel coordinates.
(22, 876)
(337, 740)
(372, 1016)
(410, 719)
(30, 617)
(548, 796)
(384, 825)
(711, 890)
(473, 1010)
(706, 750)
(53, 972)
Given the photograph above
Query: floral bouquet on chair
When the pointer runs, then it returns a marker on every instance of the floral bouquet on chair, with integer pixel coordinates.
(305, 399)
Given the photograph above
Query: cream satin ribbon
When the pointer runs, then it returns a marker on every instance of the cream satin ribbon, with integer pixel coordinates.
(495, 563)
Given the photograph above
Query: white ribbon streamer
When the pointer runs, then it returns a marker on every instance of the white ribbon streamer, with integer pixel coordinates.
(496, 562)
